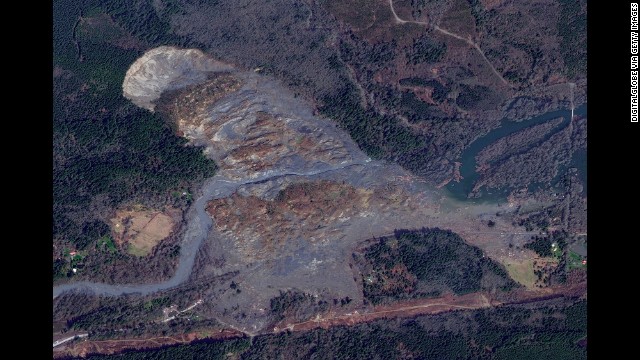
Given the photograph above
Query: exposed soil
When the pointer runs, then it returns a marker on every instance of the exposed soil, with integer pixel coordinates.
(106, 347)
(188, 106)
(294, 195)
(142, 229)
(401, 309)
(102, 28)
(301, 210)
(433, 306)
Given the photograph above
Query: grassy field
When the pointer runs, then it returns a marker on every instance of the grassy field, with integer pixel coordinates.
(574, 261)
(521, 271)
(141, 229)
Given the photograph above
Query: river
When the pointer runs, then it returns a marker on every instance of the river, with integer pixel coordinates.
(220, 186)
(197, 231)
(460, 190)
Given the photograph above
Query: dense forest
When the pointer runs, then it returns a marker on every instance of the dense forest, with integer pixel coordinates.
(106, 151)
(426, 263)
(517, 333)
(571, 27)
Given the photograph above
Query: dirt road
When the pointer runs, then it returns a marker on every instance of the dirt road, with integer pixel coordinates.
(400, 309)
(449, 33)
(433, 306)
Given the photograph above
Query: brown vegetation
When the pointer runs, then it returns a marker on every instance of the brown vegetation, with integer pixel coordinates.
(301, 210)
(142, 229)
(187, 106)
(101, 27)
(270, 138)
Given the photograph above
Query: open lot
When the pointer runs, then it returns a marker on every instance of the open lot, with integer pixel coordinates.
(139, 230)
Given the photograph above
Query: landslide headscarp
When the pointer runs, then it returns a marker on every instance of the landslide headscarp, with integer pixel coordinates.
(166, 68)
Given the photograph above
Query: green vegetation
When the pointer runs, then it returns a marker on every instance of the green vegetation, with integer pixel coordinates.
(120, 311)
(426, 263)
(297, 305)
(523, 272)
(60, 268)
(572, 28)
(106, 243)
(548, 246)
(539, 220)
(477, 98)
(556, 252)
(106, 150)
(574, 261)
(415, 81)
(426, 50)
(501, 333)
(102, 316)
(201, 350)
(380, 136)
(477, 10)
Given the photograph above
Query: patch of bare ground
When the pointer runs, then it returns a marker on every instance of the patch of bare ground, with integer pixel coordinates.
(400, 309)
(301, 210)
(187, 107)
(459, 20)
(409, 308)
(140, 230)
(374, 21)
(270, 138)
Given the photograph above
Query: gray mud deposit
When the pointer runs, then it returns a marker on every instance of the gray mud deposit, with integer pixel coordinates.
(265, 140)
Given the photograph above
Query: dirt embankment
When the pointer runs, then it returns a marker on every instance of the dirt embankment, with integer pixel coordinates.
(301, 210)
(108, 347)
(166, 68)
(435, 305)
(400, 309)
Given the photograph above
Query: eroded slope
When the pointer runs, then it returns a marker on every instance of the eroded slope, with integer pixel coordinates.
(294, 195)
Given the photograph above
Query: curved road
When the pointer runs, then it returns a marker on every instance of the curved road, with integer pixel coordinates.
(446, 32)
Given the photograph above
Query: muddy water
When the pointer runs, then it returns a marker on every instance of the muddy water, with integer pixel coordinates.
(221, 186)
(263, 94)
(197, 231)
(460, 190)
